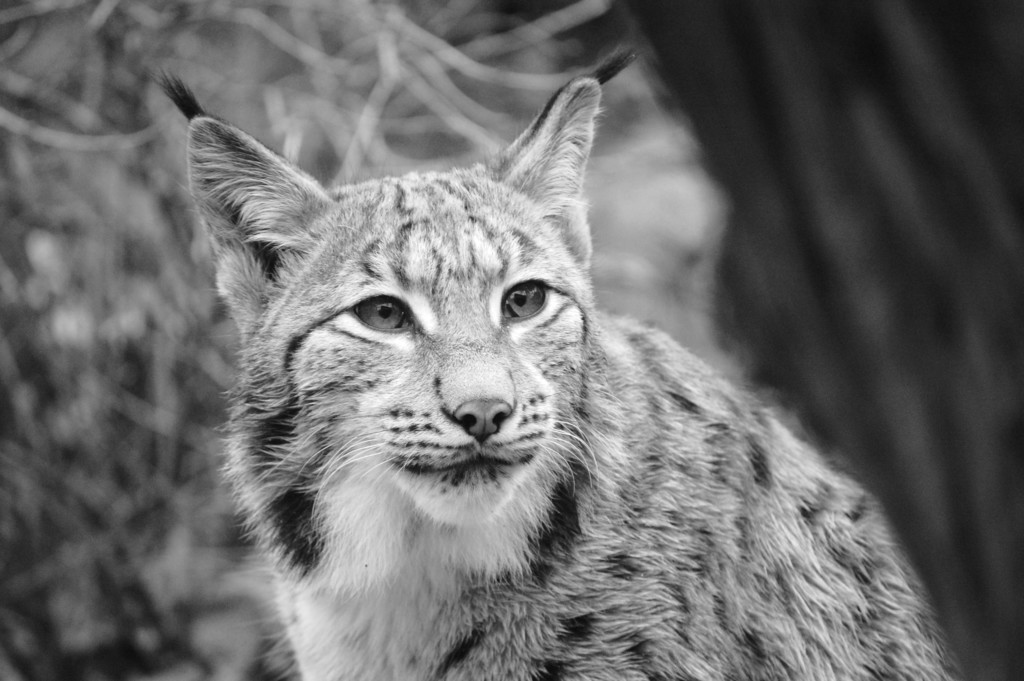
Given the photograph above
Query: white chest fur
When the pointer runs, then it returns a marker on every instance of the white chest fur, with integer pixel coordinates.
(393, 632)
(386, 602)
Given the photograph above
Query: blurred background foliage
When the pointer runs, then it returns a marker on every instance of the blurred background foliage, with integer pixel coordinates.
(119, 557)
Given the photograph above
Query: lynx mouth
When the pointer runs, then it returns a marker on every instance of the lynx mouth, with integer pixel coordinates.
(488, 465)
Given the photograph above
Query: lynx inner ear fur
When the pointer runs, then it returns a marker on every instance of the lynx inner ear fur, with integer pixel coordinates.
(548, 160)
(257, 206)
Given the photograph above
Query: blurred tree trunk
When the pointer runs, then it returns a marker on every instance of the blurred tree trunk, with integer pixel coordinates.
(874, 266)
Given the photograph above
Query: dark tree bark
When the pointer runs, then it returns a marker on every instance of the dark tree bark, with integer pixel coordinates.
(873, 270)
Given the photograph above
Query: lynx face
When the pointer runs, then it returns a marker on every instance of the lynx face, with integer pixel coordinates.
(450, 370)
(414, 348)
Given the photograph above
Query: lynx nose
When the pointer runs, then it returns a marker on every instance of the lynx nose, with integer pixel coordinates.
(482, 418)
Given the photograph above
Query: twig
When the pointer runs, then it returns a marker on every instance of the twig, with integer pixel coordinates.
(369, 117)
(421, 89)
(449, 14)
(435, 73)
(337, 127)
(70, 141)
(151, 417)
(150, 17)
(101, 14)
(34, 9)
(474, 69)
(18, 38)
(537, 30)
(75, 112)
(421, 124)
(282, 124)
(9, 371)
(305, 26)
(285, 41)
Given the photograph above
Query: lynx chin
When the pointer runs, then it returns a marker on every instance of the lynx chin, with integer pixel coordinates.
(460, 469)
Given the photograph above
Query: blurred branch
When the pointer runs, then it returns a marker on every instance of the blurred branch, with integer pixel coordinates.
(450, 14)
(149, 17)
(539, 29)
(468, 66)
(37, 8)
(287, 42)
(154, 418)
(452, 117)
(19, 38)
(30, 89)
(100, 15)
(69, 141)
(369, 117)
(283, 124)
(9, 371)
(435, 73)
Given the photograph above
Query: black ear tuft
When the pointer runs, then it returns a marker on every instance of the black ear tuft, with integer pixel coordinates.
(610, 67)
(181, 95)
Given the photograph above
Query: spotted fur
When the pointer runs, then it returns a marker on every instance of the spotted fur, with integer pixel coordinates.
(634, 517)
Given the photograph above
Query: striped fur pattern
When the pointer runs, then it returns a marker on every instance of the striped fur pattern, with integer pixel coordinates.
(632, 517)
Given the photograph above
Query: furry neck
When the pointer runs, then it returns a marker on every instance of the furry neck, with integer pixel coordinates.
(376, 538)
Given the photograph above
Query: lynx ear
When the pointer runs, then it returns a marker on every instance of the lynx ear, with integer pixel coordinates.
(547, 161)
(256, 205)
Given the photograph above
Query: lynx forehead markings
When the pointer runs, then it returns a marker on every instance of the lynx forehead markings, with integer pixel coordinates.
(460, 469)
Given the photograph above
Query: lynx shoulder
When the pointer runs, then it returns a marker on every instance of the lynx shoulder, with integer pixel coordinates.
(459, 469)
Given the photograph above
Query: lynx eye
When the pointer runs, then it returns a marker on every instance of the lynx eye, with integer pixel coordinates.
(524, 300)
(383, 313)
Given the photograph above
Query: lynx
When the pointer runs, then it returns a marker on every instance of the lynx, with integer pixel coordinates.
(458, 468)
